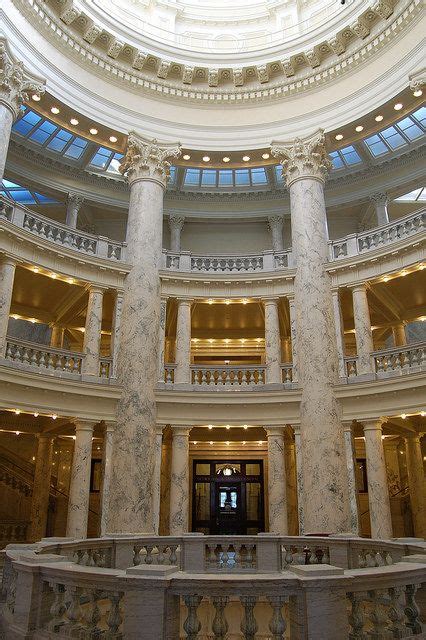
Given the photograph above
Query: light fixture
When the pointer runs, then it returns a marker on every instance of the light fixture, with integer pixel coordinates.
(265, 156)
(54, 110)
(245, 301)
(403, 416)
(227, 302)
(246, 158)
(211, 441)
(421, 267)
(35, 414)
(359, 128)
(423, 413)
(417, 93)
(209, 301)
(226, 159)
(17, 411)
(378, 118)
(227, 442)
(186, 156)
(339, 136)
(244, 442)
(17, 433)
(93, 131)
(228, 426)
(211, 340)
(260, 441)
(210, 426)
(15, 316)
(33, 320)
(226, 340)
(70, 280)
(227, 362)
(245, 426)
(73, 437)
(74, 122)
(403, 273)
(398, 106)
(36, 269)
(194, 442)
(35, 97)
(54, 416)
(206, 158)
(33, 458)
(386, 279)
(53, 275)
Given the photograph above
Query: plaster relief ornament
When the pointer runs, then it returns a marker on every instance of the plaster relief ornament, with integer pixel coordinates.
(148, 159)
(303, 158)
(15, 82)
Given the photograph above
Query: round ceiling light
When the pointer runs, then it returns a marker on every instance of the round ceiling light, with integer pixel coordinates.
(359, 128)
(186, 156)
(265, 156)
(206, 158)
(398, 106)
(226, 159)
(246, 158)
(112, 139)
(339, 136)
(93, 131)
(417, 93)
(54, 110)
(74, 122)
(35, 97)
(378, 118)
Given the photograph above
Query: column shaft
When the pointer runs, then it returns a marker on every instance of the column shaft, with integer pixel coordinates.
(363, 333)
(179, 485)
(399, 335)
(116, 332)
(92, 332)
(352, 488)
(293, 334)
(291, 478)
(183, 342)
(277, 494)
(74, 204)
(340, 341)
(41, 488)
(106, 474)
(176, 225)
(272, 342)
(162, 339)
(416, 481)
(276, 228)
(299, 480)
(7, 276)
(56, 336)
(378, 493)
(380, 203)
(157, 479)
(6, 122)
(78, 503)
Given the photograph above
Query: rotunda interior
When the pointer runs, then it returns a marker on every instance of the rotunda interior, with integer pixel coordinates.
(212, 320)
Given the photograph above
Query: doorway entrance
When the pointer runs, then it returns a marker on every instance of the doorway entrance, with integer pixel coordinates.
(227, 497)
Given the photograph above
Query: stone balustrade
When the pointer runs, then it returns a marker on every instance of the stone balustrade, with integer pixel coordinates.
(287, 373)
(47, 595)
(169, 373)
(266, 261)
(351, 366)
(12, 531)
(105, 367)
(44, 357)
(60, 234)
(228, 375)
(400, 360)
(392, 232)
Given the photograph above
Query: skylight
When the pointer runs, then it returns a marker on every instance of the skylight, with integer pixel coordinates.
(398, 135)
(418, 195)
(212, 178)
(23, 195)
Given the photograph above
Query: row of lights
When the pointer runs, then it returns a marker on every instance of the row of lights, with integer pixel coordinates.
(403, 273)
(227, 159)
(52, 275)
(226, 340)
(55, 110)
(17, 412)
(227, 442)
(227, 426)
(228, 302)
(398, 106)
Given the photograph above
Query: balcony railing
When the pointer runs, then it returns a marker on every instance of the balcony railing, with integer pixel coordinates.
(359, 243)
(60, 234)
(266, 261)
(399, 360)
(228, 375)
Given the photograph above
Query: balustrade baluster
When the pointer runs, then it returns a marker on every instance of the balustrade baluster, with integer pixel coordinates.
(277, 624)
(58, 608)
(396, 612)
(220, 623)
(73, 611)
(136, 555)
(356, 617)
(114, 618)
(93, 614)
(192, 625)
(377, 614)
(411, 609)
(148, 558)
(173, 554)
(249, 625)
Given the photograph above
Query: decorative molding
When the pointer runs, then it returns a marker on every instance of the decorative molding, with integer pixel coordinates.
(16, 82)
(305, 158)
(147, 159)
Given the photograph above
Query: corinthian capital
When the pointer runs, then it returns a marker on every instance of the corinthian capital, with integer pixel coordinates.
(148, 159)
(176, 222)
(303, 158)
(15, 81)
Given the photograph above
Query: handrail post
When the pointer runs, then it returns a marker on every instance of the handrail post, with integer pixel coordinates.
(268, 552)
(192, 552)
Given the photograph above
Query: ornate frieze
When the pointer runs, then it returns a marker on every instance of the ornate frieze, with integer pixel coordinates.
(147, 159)
(307, 158)
(16, 83)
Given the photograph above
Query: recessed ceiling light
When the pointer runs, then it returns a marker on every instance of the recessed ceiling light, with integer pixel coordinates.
(112, 139)
(378, 118)
(36, 269)
(206, 158)
(359, 128)
(35, 414)
(339, 136)
(35, 97)
(226, 159)
(210, 426)
(246, 158)
(211, 441)
(417, 93)
(17, 411)
(54, 416)
(74, 122)
(186, 157)
(54, 110)
(93, 132)
(53, 275)
(398, 106)
(265, 156)
(403, 416)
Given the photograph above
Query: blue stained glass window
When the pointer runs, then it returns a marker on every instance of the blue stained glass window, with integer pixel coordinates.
(76, 148)
(24, 125)
(420, 115)
(10, 185)
(20, 194)
(208, 177)
(101, 158)
(43, 199)
(350, 155)
(279, 174)
(376, 145)
(192, 177)
(410, 128)
(24, 196)
(336, 160)
(60, 140)
(43, 132)
(242, 177)
(114, 165)
(226, 178)
(393, 137)
(258, 176)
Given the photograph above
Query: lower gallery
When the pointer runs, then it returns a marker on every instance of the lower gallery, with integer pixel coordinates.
(212, 306)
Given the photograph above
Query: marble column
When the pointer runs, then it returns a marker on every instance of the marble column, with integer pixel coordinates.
(416, 480)
(352, 488)
(78, 501)
(183, 342)
(116, 331)
(92, 332)
(399, 335)
(272, 341)
(179, 484)
(275, 224)
(176, 225)
(162, 339)
(15, 87)
(157, 478)
(131, 493)
(299, 479)
(293, 335)
(305, 167)
(41, 487)
(74, 204)
(277, 490)
(291, 479)
(7, 277)
(108, 446)
(378, 492)
(340, 341)
(380, 203)
(363, 333)
(56, 336)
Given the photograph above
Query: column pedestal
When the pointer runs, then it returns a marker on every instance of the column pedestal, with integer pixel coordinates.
(378, 493)
(277, 495)
(179, 484)
(41, 487)
(78, 503)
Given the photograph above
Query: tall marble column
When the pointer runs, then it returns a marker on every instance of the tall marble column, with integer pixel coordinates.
(176, 225)
(277, 490)
(74, 204)
(363, 333)
(15, 87)
(305, 167)
(41, 487)
(272, 341)
(179, 483)
(116, 331)
(56, 336)
(157, 478)
(131, 505)
(291, 482)
(380, 203)
(352, 488)
(338, 322)
(162, 339)
(7, 277)
(378, 492)
(108, 447)
(399, 335)
(92, 332)
(299, 479)
(416, 480)
(293, 335)
(275, 224)
(183, 342)
(78, 501)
